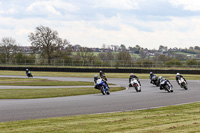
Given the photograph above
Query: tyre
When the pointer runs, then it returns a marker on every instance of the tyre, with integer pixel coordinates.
(167, 88)
(108, 93)
(136, 88)
(157, 84)
(185, 87)
(102, 90)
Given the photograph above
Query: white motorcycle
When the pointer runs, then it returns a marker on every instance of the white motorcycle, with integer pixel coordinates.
(183, 83)
(134, 83)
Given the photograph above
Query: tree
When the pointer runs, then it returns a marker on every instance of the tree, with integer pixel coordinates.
(102, 55)
(173, 62)
(8, 47)
(197, 48)
(124, 57)
(162, 58)
(109, 56)
(162, 48)
(86, 56)
(122, 47)
(22, 59)
(191, 62)
(47, 41)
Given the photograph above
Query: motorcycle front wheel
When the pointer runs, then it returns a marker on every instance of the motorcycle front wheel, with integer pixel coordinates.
(102, 90)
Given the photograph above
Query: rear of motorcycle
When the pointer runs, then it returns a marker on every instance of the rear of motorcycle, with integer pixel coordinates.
(183, 84)
(29, 75)
(137, 87)
(168, 88)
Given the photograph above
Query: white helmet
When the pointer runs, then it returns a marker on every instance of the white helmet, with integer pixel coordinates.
(160, 77)
(177, 74)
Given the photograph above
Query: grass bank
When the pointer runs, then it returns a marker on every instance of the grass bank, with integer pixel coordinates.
(40, 82)
(49, 93)
(173, 119)
(90, 75)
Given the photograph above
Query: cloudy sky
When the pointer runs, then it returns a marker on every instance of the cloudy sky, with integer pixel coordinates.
(92, 23)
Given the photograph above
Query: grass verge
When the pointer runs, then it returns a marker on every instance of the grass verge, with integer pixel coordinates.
(173, 119)
(90, 75)
(40, 82)
(49, 93)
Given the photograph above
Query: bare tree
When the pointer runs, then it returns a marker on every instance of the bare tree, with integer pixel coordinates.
(47, 41)
(85, 55)
(8, 47)
(124, 57)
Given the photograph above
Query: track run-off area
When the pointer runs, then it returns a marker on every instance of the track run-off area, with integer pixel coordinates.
(127, 100)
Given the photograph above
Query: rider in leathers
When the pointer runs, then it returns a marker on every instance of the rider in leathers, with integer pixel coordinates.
(151, 75)
(178, 77)
(103, 77)
(161, 85)
(134, 76)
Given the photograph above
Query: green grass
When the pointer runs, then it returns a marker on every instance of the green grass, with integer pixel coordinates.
(40, 82)
(90, 75)
(172, 119)
(49, 93)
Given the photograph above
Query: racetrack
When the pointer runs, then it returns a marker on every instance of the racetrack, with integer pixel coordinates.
(127, 100)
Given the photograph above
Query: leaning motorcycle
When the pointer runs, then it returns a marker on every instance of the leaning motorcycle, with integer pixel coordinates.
(183, 83)
(166, 86)
(134, 83)
(100, 85)
(29, 75)
(155, 81)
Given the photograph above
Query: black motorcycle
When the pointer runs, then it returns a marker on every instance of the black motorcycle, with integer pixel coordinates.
(29, 74)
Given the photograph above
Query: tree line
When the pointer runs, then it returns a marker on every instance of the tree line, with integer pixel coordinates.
(47, 47)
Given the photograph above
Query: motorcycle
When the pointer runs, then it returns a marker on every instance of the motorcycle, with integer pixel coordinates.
(100, 85)
(166, 86)
(155, 81)
(134, 83)
(29, 75)
(183, 83)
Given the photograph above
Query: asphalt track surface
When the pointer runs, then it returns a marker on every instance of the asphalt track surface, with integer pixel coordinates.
(127, 100)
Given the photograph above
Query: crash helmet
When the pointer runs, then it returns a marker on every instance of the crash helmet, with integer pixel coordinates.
(26, 69)
(151, 73)
(131, 74)
(177, 74)
(160, 77)
(95, 76)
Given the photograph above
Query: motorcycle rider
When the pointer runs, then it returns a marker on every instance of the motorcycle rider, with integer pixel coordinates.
(29, 74)
(95, 80)
(178, 77)
(26, 71)
(134, 76)
(151, 75)
(161, 80)
(103, 76)
(104, 83)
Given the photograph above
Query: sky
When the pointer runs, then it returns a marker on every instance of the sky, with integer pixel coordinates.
(92, 23)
